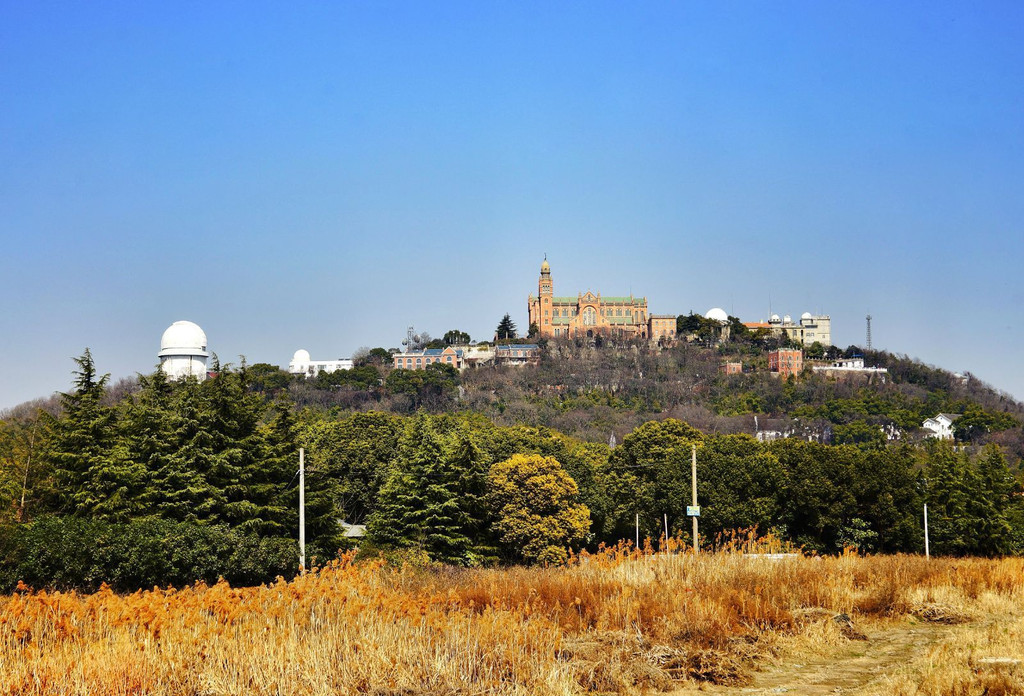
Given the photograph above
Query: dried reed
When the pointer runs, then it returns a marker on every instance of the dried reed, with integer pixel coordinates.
(621, 620)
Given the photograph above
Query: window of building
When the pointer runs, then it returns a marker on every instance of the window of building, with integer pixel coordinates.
(589, 316)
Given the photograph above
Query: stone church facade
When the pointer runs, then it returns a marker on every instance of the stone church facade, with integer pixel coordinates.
(587, 314)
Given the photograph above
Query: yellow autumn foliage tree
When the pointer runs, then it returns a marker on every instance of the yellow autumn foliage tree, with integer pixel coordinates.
(536, 509)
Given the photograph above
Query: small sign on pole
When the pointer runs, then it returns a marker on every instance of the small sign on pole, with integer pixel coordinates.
(693, 510)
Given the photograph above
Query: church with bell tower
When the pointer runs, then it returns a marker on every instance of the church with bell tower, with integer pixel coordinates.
(587, 314)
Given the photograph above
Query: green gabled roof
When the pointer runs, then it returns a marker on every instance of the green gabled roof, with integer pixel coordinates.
(625, 300)
(629, 301)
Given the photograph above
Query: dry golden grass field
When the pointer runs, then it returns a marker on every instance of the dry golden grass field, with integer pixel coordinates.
(615, 622)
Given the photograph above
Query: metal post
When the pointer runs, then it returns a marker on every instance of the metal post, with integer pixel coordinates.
(927, 551)
(302, 509)
(666, 531)
(638, 531)
(693, 461)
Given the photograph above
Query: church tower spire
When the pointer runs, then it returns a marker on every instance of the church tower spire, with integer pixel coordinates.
(545, 286)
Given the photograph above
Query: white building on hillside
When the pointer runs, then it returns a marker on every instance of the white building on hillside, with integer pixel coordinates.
(183, 351)
(809, 329)
(850, 366)
(941, 426)
(302, 364)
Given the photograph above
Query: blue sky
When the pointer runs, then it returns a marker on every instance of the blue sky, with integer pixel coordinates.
(321, 176)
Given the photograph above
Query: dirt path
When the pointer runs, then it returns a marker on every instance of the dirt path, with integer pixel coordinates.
(844, 671)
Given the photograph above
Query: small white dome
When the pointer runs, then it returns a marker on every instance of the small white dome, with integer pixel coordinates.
(806, 315)
(183, 338)
(301, 356)
(718, 314)
(787, 319)
(775, 318)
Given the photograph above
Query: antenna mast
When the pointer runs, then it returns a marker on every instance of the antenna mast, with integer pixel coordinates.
(869, 332)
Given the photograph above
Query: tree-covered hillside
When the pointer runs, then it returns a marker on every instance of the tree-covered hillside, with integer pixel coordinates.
(153, 481)
(595, 390)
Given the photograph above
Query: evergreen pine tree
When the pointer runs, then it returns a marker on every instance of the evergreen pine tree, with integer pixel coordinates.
(471, 467)
(990, 502)
(91, 479)
(272, 490)
(949, 481)
(182, 488)
(276, 490)
(144, 433)
(420, 505)
(506, 328)
(233, 419)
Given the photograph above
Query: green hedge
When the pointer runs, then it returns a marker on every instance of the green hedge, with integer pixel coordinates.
(74, 553)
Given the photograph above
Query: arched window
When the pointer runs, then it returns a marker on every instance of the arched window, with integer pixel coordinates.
(589, 316)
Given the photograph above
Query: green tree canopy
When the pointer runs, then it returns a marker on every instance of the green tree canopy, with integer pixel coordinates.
(649, 474)
(356, 452)
(454, 337)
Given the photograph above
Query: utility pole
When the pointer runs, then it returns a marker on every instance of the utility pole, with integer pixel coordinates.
(693, 461)
(927, 553)
(302, 510)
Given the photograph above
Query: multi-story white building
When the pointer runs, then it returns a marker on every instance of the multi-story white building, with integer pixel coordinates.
(808, 330)
(850, 366)
(302, 364)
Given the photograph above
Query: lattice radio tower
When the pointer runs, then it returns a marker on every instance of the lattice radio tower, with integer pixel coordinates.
(869, 332)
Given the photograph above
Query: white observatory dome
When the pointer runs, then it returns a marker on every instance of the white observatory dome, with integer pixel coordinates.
(775, 318)
(718, 314)
(806, 315)
(183, 338)
(787, 319)
(183, 351)
(300, 362)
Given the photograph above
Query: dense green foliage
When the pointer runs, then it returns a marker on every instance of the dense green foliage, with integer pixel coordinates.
(432, 497)
(71, 552)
